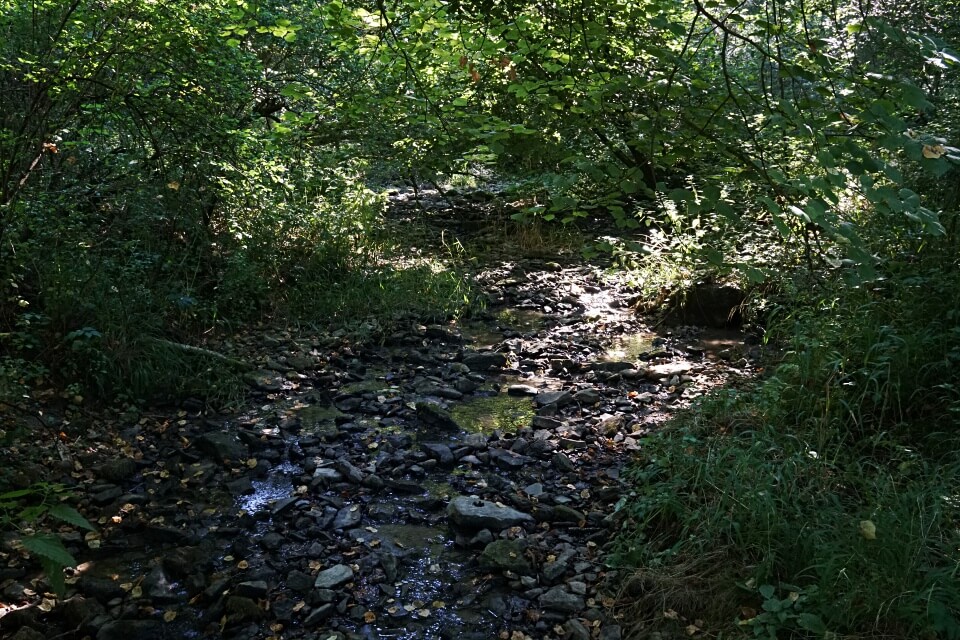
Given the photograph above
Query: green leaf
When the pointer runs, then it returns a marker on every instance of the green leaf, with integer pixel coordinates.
(50, 548)
(54, 572)
(70, 516)
(811, 622)
(767, 591)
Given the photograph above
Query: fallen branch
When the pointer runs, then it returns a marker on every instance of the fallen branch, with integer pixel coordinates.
(200, 351)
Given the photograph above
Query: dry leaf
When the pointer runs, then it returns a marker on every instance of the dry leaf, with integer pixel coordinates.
(369, 617)
(243, 564)
(169, 616)
(931, 152)
(868, 530)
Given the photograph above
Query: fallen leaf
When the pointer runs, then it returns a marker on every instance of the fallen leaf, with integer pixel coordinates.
(369, 617)
(169, 616)
(868, 530)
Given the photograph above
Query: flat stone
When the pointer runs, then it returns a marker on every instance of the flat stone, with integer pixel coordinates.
(522, 390)
(265, 380)
(506, 555)
(222, 446)
(117, 470)
(440, 451)
(252, 589)
(508, 460)
(559, 599)
(299, 581)
(333, 577)
(436, 416)
(575, 630)
(483, 361)
(554, 398)
(472, 514)
(347, 517)
(587, 396)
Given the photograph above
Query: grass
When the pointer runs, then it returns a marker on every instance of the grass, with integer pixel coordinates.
(827, 494)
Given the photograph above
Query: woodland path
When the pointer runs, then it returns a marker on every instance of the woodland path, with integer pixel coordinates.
(453, 480)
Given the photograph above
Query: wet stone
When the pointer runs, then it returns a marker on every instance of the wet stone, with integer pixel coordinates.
(333, 577)
(472, 514)
(576, 630)
(347, 517)
(117, 470)
(435, 416)
(522, 390)
(222, 447)
(484, 361)
(441, 452)
(559, 599)
(556, 399)
(299, 581)
(506, 555)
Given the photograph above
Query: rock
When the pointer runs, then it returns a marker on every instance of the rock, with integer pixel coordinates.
(240, 609)
(575, 630)
(611, 367)
(264, 380)
(254, 589)
(484, 361)
(508, 460)
(318, 615)
(129, 629)
(506, 555)
(587, 396)
(563, 513)
(669, 369)
(441, 452)
(158, 588)
(28, 633)
(333, 577)
(436, 416)
(554, 398)
(117, 470)
(347, 517)
(472, 514)
(610, 632)
(299, 581)
(559, 599)
(562, 462)
(101, 589)
(79, 610)
(349, 471)
(522, 390)
(222, 446)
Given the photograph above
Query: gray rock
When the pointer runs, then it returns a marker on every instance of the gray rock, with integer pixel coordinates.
(299, 581)
(575, 630)
(506, 555)
(79, 610)
(347, 517)
(436, 416)
(522, 390)
(554, 398)
(508, 460)
(222, 446)
(441, 452)
(483, 361)
(117, 470)
(333, 577)
(264, 380)
(563, 513)
(252, 589)
(610, 632)
(318, 615)
(158, 588)
(562, 462)
(472, 514)
(611, 367)
(559, 599)
(127, 629)
(349, 471)
(587, 396)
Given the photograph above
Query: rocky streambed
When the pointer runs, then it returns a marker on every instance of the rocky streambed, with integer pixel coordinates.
(445, 481)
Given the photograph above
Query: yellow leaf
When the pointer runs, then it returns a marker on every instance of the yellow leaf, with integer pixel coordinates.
(932, 152)
(243, 564)
(169, 616)
(174, 185)
(868, 530)
(251, 463)
(369, 617)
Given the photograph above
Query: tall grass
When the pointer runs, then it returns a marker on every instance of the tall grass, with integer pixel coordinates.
(830, 489)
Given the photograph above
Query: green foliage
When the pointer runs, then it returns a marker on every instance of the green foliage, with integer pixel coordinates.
(25, 510)
(832, 479)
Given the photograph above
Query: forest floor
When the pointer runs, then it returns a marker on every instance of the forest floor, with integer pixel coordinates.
(454, 480)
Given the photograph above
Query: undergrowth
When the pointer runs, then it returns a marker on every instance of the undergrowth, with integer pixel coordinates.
(826, 494)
